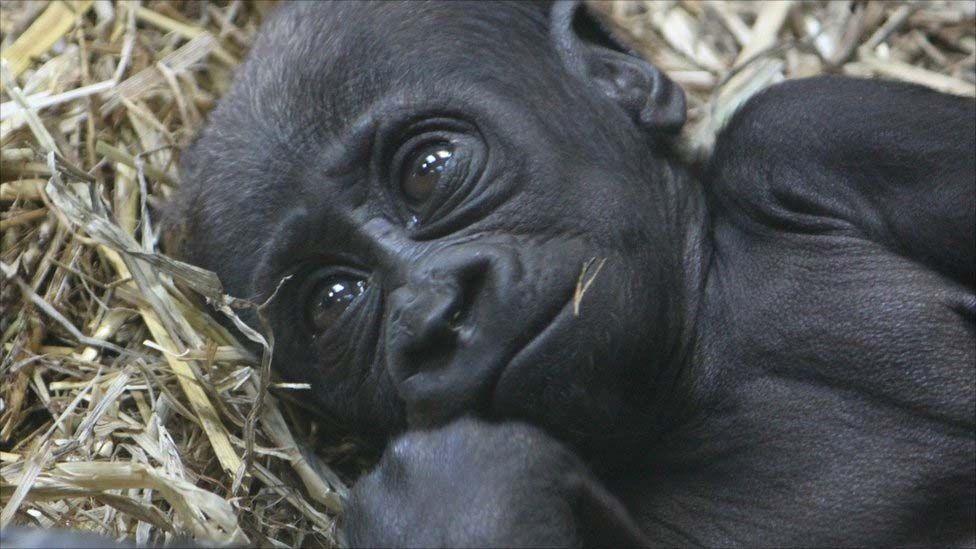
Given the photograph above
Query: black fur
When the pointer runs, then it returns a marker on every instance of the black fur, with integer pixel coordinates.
(779, 351)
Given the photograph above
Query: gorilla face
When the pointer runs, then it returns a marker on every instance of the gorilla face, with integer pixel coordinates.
(467, 226)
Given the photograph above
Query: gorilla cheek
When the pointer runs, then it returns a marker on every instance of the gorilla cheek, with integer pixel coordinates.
(567, 377)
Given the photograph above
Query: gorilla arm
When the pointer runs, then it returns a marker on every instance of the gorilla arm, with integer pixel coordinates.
(486, 485)
(893, 161)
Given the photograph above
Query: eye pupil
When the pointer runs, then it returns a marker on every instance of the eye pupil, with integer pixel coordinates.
(427, 168)
(331, 298)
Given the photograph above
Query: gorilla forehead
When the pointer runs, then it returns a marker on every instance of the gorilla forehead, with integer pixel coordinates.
(321, 64)
(322, 75)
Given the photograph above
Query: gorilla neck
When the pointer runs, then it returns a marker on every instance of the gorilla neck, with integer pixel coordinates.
(685, 374)
(690, 224)
(662, 403)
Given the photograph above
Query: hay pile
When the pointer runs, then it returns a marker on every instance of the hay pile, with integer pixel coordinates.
(724, 52)
(125, 408)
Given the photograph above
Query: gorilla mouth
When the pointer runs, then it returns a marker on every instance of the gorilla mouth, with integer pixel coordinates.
(525, 356)
(448, 390)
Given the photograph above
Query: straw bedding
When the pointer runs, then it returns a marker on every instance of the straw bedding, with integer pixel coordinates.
(125, 407)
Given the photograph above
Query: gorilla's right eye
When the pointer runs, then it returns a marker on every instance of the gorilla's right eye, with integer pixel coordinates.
(331, 295)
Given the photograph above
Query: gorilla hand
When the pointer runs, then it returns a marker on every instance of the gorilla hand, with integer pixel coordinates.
(473, 483)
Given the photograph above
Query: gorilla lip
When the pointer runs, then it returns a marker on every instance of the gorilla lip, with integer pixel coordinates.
(523, 355)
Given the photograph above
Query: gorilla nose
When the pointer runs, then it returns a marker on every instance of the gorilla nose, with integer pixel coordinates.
(425, 318)
(437, 351)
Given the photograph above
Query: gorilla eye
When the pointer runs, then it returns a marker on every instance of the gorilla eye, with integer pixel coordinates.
(434, 168)
(330, 297)
(424, 171)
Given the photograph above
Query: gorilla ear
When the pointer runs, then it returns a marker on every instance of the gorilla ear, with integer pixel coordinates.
(651, 99)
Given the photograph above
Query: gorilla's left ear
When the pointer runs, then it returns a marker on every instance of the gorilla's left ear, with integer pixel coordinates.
(651, 99)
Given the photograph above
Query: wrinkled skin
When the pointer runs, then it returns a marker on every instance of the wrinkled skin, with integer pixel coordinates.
(774, 348)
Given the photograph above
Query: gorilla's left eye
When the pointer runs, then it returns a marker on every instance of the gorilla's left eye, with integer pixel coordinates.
(424, 172)
(432, 172)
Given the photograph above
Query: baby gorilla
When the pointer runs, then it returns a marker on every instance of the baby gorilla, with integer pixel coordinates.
(478, 214)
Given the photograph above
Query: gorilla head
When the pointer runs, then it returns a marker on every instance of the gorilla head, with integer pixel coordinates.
(474, 209)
